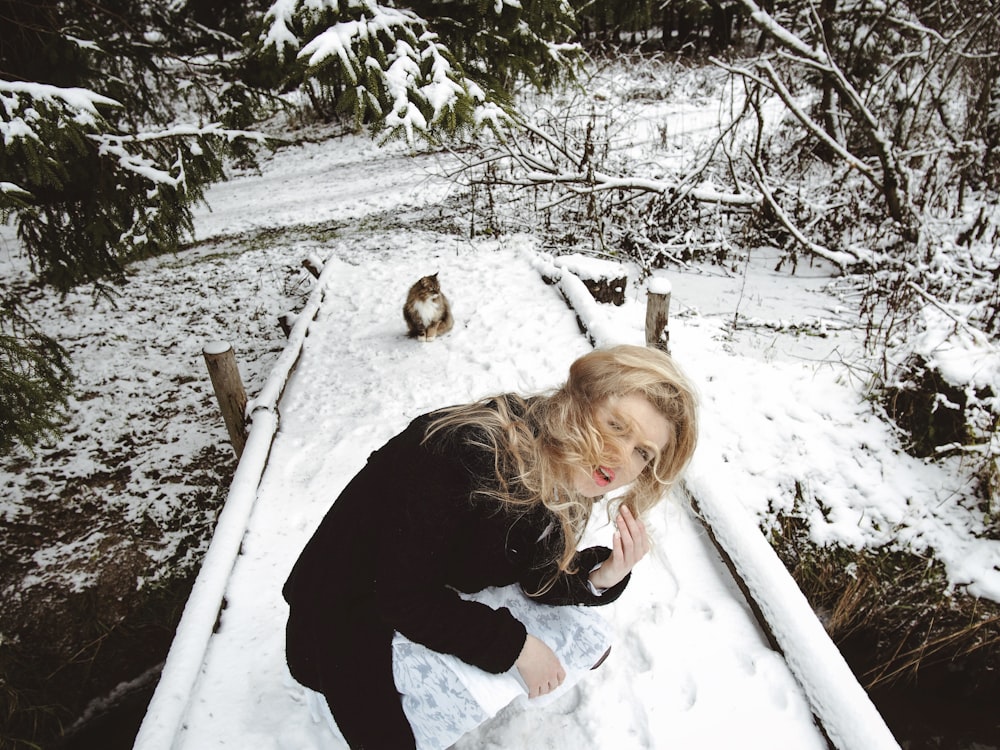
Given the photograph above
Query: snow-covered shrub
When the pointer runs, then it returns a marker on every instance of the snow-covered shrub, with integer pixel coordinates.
(945, 394)
(930, 410)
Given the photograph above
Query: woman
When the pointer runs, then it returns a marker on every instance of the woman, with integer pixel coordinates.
(485, 495)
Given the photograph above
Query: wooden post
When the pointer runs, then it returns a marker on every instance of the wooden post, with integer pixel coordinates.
(229, 390)
(313, 266)
(658, 315)
(286, 321)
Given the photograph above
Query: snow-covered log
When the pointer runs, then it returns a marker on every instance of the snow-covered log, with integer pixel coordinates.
(605, 280)
(841, 705)
(165, 715)
(579, 299)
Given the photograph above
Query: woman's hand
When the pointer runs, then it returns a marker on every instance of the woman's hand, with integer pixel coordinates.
(539, 667)
(629, 546)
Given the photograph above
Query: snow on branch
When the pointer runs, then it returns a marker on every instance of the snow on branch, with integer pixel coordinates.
(538, 170)
(783, 35)
(26, 107)
(31, 112)
(818, 58)
(398, 69)
(341, 39)
(9, 188)
(114, 145)
(894, 180)
(213, 129)
(281, 17)
(775, 83)
(441, 92)
(979, 338)
(840, 259)
(82, 101)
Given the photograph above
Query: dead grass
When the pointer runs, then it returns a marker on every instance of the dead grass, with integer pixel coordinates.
(891, 611)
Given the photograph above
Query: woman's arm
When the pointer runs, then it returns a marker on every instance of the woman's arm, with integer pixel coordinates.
(548, 586)
(630, 545)
(601, 568)
(427, 520)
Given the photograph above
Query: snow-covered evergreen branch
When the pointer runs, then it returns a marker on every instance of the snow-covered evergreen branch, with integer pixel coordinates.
(391, 68)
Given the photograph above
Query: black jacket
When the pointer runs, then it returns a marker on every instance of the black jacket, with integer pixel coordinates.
(404, 535)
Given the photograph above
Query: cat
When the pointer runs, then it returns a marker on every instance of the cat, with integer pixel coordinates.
(427, 312)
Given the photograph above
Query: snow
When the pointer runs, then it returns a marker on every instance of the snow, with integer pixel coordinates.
(838, 700)
(960, 354)
(659, 284)
(217, 347)
(590, 268)
(73, 97)
(690, 667)
(688, 650)
(404, 62)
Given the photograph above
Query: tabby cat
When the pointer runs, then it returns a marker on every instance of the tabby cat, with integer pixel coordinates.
(427, 311)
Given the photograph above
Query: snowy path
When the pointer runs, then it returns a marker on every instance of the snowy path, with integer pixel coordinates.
(689, 668)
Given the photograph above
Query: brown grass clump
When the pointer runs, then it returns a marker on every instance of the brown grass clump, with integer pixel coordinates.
(891, 611)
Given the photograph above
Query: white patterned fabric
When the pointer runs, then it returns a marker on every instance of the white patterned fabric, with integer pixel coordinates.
(443, 697)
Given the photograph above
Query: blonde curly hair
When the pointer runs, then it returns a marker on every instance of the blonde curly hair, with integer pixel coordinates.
(538, 443)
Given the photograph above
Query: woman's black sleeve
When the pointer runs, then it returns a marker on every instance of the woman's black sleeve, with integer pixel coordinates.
(573, 588)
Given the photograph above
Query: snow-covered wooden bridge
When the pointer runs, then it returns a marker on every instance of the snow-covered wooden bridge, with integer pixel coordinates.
(691, 666)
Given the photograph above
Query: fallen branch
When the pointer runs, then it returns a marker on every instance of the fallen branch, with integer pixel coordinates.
(839, 259)
(894, 184)
(581, 180)
(980, 338)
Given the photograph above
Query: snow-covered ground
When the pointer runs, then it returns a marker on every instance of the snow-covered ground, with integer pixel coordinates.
(778, 409)
(688, 650)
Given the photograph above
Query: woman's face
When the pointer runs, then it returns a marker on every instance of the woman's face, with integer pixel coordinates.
(648, 436)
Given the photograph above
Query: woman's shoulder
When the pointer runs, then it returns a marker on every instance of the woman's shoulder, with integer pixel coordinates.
(474, 434)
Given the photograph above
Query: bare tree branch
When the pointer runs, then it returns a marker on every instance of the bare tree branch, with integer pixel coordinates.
(895, 178)
(775, 84)
(839, 259)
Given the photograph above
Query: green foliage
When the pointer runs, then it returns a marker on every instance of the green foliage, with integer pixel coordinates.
(502, 44)
(418, 70)
(34, 380)
(89, 201)
(113, 132)
(114, 118)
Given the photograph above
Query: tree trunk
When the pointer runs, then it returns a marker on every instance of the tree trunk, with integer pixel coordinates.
(657, 320)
